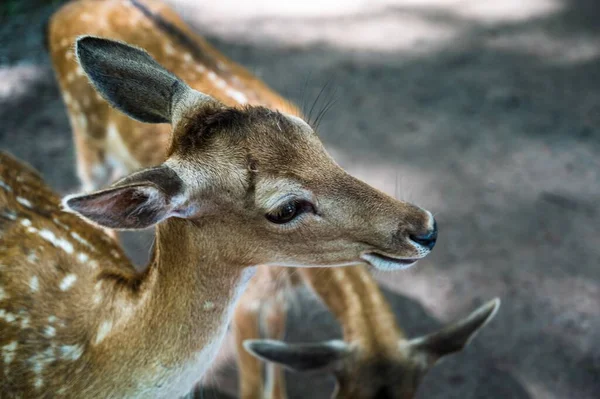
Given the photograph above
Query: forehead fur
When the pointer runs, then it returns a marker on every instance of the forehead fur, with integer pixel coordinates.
(262, 137)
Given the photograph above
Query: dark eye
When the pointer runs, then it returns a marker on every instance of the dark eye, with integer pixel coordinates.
(289, 211)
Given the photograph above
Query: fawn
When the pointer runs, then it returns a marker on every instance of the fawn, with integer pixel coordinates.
(238, 188)
(110, 145)
(397, 367)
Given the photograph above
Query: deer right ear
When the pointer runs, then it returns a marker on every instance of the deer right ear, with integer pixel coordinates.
(136, 202)
(133, 82)
(300, 357)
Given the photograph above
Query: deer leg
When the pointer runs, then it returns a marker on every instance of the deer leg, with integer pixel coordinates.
(274, 318)
(246, 323)
(261, 313)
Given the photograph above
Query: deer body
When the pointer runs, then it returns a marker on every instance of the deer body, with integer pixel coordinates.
(77, 319)
(110, 145)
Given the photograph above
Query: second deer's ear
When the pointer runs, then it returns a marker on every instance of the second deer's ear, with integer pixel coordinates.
(133, 82)
(300, 357)
(456, 336)
(138, 201)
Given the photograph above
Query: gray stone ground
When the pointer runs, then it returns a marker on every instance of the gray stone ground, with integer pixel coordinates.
(486, 112)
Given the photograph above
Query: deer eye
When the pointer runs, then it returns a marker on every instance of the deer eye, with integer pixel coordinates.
(289, 211)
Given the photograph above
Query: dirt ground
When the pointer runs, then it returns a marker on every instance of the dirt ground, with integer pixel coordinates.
(485, 112)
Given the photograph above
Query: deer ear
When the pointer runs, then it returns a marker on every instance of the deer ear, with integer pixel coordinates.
(456, 336)
(133, 82)
(138, 201)
(300, 357)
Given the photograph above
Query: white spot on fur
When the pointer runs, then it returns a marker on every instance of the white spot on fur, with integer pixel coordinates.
(212, 76)
(71, 352)
(103, 331)
(39, 362)
(67, 282)
(34, 284)
(220, 83)
(82, 257)
(208, 305)
(64, 43)
(25, 222)
(5, 186)
(81, 240)
(97, 298)
(6, 316)
(237, 96)
(60, 224)
(79, 71)
(82, 121)
(32, 257)
(57, 241)
(67, 98)
(200, 68)
(9, 214)
(25, 202)
(8, 352)
(52, 319)
(69, 54)
(169, 50)
(24, 322)
(50, 331)
(70, 77)
(187, 57)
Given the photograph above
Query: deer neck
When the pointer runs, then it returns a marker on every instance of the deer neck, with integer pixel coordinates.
(184, 305)
(193, 283)
(355, 299)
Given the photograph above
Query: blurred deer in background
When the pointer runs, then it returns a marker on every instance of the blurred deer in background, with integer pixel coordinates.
(110, 145)
(76, 319)
(391, 370)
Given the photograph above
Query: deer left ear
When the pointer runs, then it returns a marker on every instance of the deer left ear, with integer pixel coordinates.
(456, 336)
(300, 357)
(138, 201)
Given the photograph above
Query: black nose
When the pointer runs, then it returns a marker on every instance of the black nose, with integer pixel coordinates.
(427, 240)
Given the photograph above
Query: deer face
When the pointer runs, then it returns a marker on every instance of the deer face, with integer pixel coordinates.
(393, 373)
(259, 181)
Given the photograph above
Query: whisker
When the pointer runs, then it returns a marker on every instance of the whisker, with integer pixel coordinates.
(317, 100)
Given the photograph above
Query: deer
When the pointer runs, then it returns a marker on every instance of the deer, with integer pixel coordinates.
(392, 367)
(239, 187)
(109, 145)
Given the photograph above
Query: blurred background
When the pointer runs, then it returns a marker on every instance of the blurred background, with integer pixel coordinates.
(486, 112)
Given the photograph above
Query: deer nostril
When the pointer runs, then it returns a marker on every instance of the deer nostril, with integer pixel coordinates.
(427, 240)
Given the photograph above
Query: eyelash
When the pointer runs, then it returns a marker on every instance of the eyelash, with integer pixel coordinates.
(293, 209)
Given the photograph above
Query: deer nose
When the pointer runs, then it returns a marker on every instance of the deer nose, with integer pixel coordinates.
(427, 240)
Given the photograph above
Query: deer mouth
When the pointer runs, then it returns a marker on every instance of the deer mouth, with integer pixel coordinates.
(384, 262)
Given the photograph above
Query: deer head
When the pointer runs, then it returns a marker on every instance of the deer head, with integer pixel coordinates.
(258, 181)
(393, 375)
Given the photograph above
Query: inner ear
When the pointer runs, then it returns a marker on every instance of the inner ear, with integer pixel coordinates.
(127, 207)
(138, 201)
